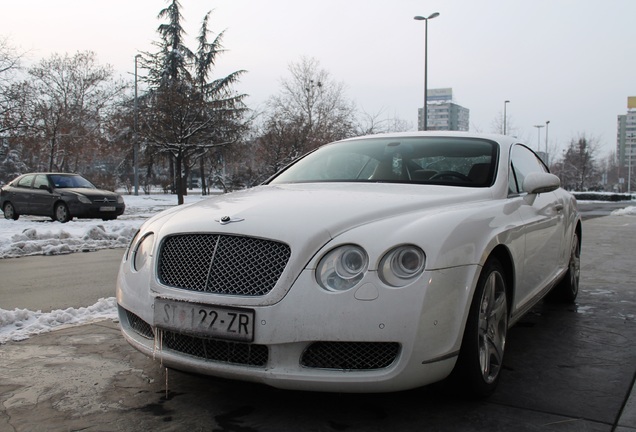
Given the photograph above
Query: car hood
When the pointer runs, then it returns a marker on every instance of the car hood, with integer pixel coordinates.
(95, 193)
(312, 213)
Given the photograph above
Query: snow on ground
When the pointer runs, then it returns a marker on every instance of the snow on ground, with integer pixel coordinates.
(627, 211)
(39, 236)
(32, 235)
(19, 324)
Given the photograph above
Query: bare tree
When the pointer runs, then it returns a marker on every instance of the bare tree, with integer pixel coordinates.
(497, 125)
(610, 172)
(11, 112)
(311, 109)
(11, 102)
(71, 96)
(577, 168)
(369, 124)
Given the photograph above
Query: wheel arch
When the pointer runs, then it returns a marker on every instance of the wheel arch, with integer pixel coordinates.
(57, 203)
(503, 255)
(16, 215)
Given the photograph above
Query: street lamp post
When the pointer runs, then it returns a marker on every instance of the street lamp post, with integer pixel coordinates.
(504, 125)
(425, 109)
(135, 144)
(629, 166)
(539, 136)
(629, 175)
(547, 124)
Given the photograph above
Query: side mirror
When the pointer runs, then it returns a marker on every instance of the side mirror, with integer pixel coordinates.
(540, 182)
(45, 187)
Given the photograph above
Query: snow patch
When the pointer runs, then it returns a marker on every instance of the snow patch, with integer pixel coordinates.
(19, 324)
(627, 211)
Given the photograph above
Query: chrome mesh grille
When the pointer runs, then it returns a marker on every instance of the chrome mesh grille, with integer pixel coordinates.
(215, 350)
(350, 355)
(222, 264)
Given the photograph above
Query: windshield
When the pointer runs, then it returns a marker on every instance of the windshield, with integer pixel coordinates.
(421, 160)
(61, 181)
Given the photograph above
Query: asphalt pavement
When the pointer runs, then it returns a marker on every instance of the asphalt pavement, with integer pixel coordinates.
(567, 368)
(53, 282)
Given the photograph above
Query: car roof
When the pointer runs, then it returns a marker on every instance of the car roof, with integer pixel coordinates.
(504, 141)
(47, 173)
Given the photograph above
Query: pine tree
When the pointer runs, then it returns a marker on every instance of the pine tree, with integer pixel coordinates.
(185, 113)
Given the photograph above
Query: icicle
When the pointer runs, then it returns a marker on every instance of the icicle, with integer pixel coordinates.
(167, 392)
(154, 347)
(158, 345)
(161, 347)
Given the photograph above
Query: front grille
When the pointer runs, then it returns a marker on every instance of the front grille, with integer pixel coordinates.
(222, 264)
(215, 350)
(139, 325)
(350, 355)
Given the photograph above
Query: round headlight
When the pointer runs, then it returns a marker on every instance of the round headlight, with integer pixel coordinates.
(351, 263)
(401, 265)
(342, 268)
(142, 251)
(132, 243)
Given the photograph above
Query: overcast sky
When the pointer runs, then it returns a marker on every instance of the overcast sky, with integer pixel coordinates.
(570, 62)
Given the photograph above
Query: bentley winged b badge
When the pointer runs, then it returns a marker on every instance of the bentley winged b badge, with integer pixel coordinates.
(228, 219)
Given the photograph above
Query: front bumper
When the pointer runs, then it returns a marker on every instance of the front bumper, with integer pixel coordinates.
(370, 339)
(101, 211)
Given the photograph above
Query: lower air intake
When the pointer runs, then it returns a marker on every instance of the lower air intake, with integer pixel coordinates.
(350, 355)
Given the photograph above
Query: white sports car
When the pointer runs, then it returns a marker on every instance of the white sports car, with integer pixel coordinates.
(372, 264)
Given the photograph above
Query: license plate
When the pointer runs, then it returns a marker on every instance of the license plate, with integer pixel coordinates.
(212, 321)
(107, 209)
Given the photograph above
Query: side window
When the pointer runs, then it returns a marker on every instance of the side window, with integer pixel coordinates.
(522, 162)
(26, 181)
(40, 180)
(512, 182)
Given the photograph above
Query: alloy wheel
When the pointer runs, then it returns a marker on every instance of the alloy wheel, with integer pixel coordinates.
(493, 327)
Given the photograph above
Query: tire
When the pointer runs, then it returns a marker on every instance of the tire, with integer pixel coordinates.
(568, 289)
(483, 346)
(61, 213)
(9, 212)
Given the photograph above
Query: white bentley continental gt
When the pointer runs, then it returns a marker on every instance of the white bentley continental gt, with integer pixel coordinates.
(372, 264)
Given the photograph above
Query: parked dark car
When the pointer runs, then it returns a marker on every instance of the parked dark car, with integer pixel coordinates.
(60, 196)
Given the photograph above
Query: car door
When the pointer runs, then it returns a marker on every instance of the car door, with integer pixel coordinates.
(542, 225)
(20, 195)
(41, 197)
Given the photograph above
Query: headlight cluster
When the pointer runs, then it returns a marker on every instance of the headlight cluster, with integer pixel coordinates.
(142, 251)
(343, 267)
(401, 265)
(84, 200)
(120, 199)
